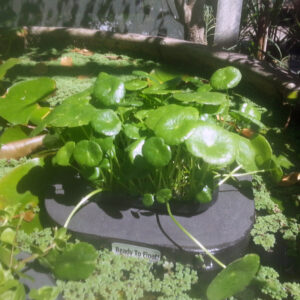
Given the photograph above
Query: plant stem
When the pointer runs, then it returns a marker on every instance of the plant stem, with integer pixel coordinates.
(15, 241)
(175, 162)
(193, 238)
(229, 175)
(84, 132)
(204, 169)
(81, 203)
(248, 173)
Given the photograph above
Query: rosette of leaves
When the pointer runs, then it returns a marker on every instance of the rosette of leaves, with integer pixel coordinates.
(161, 130)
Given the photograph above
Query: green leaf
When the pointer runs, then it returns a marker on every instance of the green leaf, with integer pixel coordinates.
(17, 105)
(44, 293)
(87, 153)
(165, 88)
(246, 154)
(163, 75)
(225, 78)
(12, 290)
(163, 195)
(14, 133)
(4, 260)
(251, 111)
(131, 131)
(241, 116)
(135, 84)
(73, 112)
(139, 166)
(39, 114)
(140, 74)
(64, 154)
(108, 90)
(204, 88)
(159, 90)
(148, 200)
(212, 143)
(7, 65)
(92, 173)
(209, 98)
(263, 151)
(173, 123)
(76, 262)
(135, 149)
(105, 165)
(156, 152)
(106, 122)
(106, 143)
(234, 278)
(15, 189)
(284, 162)
(8, 236)
(142, 114)
(276, 171)
(205, 195)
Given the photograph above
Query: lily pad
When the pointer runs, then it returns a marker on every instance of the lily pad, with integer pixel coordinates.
(17, 105)
(173, 123)
(210, 98)
(135, 84)
(212, 143)
(108, 90)
(234, 278)
(87, 153)
(225, 78)
(106, 122)
(156, 152)
(75, 111)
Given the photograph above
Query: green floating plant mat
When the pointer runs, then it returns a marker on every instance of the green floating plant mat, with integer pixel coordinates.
(223, 228)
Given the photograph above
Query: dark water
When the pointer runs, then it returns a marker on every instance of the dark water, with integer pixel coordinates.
(151, 17)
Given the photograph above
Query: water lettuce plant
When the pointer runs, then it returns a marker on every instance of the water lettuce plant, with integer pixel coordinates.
(167, 138)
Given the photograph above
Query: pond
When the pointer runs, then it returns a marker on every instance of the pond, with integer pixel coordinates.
(75, 70)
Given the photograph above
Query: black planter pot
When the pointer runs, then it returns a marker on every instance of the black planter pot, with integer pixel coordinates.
(178, 207)
(115, 222)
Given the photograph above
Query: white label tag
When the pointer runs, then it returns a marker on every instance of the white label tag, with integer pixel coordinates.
(136, 251)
